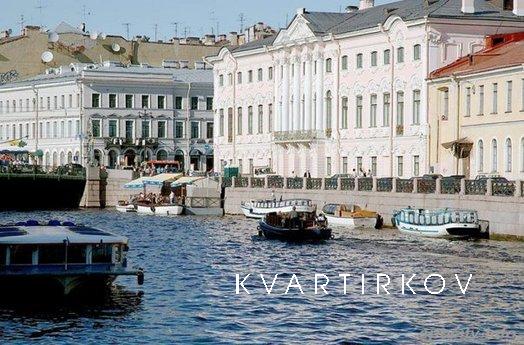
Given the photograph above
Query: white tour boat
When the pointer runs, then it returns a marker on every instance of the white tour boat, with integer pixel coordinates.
(160, 209)
(439, 222)
(259, 208)
(351, 216)
(60, 258)
(125, 207)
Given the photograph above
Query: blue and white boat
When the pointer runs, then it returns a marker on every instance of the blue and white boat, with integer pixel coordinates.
(259, 208)
(438, 222)
(60, 258)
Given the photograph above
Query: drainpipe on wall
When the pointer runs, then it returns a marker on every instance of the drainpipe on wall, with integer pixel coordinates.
(188, 129)
(457, 112)
(392, 98)
(338, 104)
(428, 146)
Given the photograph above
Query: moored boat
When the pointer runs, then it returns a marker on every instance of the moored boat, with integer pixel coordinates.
(259, 208)
(60, 258)
(438, 222)
(351, 216)
(159, 209)
(125, 207)
(303, 227)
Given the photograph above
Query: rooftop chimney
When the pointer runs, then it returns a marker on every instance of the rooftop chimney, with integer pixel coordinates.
(468, 6)
(518, 7)
(301, 10)
(350, 9)
(366, 4)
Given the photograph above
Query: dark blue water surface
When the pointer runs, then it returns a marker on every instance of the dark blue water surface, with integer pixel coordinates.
(190, 284)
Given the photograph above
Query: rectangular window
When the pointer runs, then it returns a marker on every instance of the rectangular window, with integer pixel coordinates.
(1, 107)
(416, 165)
(194, 130)
(161, 129)
(329, 67)
(95, 100)
(209, 130)
(344, 165)
(146, 129)
(359, 60)
(270, 117)
(239, 121)
(112, 100)
(250, 120)
(359, 165)
(55, 102)
(468, 102)
(62, 103)
(373, 166)
(495, 96)
(221, 80)
(95, 128)
(113, 129)
(358, 120)
(481, 100)
(259, 74)
(373, 58)
(209, 103)
(400, 166)
(161, 102)
(260, 119)
(344, 112)
(48, 104)
(70, 101)
(509, 95)
(250, 76)
(416, 52)
(230, 79)
(328, 166)
(130, 129)
(387, 56)
(373, 111)
(178, 102)
(221, 123)
(400, 108)
(194, 103)
(179, 129)
(230, 125)
(400, 54)
(145, 101)
(239, 78)
(270, 73)
(129, 101)
(344, 63)
(416, 107)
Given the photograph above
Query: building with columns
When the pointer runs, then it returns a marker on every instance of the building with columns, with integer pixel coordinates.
(113, 114)
(344, 92)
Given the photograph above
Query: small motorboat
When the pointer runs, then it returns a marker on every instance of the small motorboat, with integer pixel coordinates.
(305, 227)
(438, 222)
(60, 258)
(159, 209)
(259, 208)
(125, 207)
(351, 216)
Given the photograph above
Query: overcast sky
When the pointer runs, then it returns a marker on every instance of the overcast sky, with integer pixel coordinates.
(195, 17)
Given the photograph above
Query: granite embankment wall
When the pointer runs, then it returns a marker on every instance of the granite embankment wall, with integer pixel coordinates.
(105, 188)
(505, 214)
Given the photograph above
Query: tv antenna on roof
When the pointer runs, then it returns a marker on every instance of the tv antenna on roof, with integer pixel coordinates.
(156, 31)
(21, 22)
(85, 13)
(241, 19)
(40, 7)
(175, 25)
(127, 29)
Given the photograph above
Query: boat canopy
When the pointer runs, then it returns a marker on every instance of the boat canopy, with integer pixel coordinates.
(56, 234)
(186, 180)
(156, 180)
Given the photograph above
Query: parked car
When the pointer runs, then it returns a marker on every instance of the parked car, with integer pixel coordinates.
(500, 185)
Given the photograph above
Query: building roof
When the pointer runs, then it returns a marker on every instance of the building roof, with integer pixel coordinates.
(66, 28)
(501, 51)
(322, 23)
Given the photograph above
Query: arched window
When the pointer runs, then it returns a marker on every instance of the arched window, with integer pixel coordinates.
(328, 109)
(509, 155)
(494, 157)
(344, 63)
(328, 65)
(480, 156)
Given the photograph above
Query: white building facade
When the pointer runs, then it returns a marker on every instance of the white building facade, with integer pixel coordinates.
(112, 115)
(343, 92)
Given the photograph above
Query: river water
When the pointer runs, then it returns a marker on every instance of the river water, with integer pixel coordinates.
(189, 295)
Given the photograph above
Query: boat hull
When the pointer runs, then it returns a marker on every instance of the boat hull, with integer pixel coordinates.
(352, 223)
(445, 230)
(294, 235)
(125, 208)
(162, 210)
(259, 213)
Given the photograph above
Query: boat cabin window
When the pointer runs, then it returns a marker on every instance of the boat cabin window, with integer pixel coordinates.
(102, 253)
(76, 254)
(440, 219)
(433, 219)
(51, 254)
(447, 218)
(3, 252)
(21, 254)
(422, 219)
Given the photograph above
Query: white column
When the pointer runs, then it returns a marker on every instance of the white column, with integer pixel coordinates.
(296, 94)
(277, 124)
(308, 95)
(320, 93)
(285, 97)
